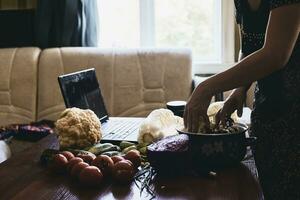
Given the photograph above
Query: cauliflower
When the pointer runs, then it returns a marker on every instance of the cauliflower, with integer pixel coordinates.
(212, 111)
(159, 124)
(78, 128)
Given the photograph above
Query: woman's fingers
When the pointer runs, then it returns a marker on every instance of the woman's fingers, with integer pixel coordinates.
(185, 114)
(207, 122)
(218, 116)
(240, 110)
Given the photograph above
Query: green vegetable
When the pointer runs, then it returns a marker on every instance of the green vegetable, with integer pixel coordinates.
(100, 148)
(112, 153)
(128, 149)
(143, 150)
(125, 144)
(141, 145)
(77, 152)
(47, 155)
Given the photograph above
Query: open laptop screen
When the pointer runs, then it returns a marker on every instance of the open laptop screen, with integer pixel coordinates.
(81, 89)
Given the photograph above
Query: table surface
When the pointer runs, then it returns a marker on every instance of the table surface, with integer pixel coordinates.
(22, 177)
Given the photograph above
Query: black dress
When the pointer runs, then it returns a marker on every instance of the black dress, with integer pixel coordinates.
(275, 119)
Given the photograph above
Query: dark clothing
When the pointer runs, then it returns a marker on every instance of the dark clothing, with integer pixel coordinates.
(276, 114)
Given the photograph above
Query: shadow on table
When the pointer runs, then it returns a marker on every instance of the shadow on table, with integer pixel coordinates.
(232, 183)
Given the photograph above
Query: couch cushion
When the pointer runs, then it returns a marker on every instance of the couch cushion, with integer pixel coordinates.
(133, 81)
(18, 85)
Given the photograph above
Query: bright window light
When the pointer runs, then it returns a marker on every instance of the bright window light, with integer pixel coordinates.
(194, 24)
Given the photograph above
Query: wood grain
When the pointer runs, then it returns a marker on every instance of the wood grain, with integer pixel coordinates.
(22, 177)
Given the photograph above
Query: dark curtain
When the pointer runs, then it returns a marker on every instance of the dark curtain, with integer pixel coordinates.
(66, 23)
(17, 28)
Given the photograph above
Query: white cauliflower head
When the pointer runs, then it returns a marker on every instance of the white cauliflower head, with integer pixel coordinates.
(78, 128)
(159, 123)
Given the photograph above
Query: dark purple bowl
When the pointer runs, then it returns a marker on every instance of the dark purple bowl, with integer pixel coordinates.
(217, 151)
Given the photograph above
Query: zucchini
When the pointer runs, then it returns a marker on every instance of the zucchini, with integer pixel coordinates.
(128, 149)
(125, 144)
(112, 153)
(100, 148)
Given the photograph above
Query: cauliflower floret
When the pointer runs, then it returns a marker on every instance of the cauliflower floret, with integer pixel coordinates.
(78, 128)
(160, 123)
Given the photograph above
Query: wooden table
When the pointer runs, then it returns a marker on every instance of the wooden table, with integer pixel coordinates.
(22, 177)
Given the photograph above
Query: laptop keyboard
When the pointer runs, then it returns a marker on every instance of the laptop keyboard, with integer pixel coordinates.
(120, 129)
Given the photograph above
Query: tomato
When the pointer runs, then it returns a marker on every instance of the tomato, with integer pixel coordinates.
(59, 163)
(117, 158)
(134, 156)
(91, 176)
(123, 171)
(68, 155)
(87, 157)
(77, 168)
(104, 163)
(72, 162)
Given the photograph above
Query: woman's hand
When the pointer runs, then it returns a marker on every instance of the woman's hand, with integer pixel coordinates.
(234, 102)
(196, 109)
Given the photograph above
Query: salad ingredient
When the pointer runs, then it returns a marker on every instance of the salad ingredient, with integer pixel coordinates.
(59, 163)
(111, 153)
(101, 148)
(134, 156)
(160, 123)
(117, 158)
(78, 128)
(73, 162)
(170, 150)
(123, 171)
(68, 155)
(91, 176)
(87, 157)
(104, 163)
(129, 148)
(77, 168)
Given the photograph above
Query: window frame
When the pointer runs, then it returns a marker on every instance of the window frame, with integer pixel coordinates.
(226, 28)
(225, 19)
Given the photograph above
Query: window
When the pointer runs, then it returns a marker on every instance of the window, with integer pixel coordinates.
(204, 26)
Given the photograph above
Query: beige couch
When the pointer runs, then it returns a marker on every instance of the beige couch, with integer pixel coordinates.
(133, 82)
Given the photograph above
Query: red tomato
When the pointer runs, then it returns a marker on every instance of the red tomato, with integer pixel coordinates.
(104, 163)
(77, 168)
(72, 162)
(117, 158)
(69, 155)
(123, 171)
(87, 157)
(59, 163)
(91, 176)
(135, 157)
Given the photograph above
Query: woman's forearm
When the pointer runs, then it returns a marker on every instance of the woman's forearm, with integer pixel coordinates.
(250, 69)
(281, 36)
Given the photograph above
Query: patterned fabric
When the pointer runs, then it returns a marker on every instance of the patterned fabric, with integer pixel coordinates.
(276, 114)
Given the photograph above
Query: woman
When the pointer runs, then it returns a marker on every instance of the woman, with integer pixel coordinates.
(271, 50)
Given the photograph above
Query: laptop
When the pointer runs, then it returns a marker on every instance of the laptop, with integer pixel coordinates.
(81, 89)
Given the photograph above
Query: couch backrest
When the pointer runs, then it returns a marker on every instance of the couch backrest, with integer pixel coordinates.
(18, 85)
(133, 81)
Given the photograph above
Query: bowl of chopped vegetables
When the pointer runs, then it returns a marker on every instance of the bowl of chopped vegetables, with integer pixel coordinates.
(221, 147)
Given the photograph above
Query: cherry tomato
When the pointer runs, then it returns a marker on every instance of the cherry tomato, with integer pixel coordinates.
(69, 155)
(117, 158)
(123, 171)
(91, 176)
(135, 157)
(77, 168)
(72, 162)
(59, 163)
(104, 163)
(87, 157)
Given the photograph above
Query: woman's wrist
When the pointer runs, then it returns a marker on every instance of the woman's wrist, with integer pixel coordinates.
(205, 89)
